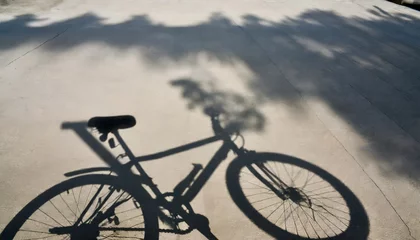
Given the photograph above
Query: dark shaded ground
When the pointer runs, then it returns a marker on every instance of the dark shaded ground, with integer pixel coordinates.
(363, 69)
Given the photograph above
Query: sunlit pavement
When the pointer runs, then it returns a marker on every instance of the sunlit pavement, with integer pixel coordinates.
(335, 83)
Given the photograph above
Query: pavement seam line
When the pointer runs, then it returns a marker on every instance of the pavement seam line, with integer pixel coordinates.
(339, 142)
(378, 109)
(40, 45)
(380, 190)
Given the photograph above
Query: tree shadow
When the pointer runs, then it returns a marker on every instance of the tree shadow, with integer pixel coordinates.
(363, 69)
(240, 113)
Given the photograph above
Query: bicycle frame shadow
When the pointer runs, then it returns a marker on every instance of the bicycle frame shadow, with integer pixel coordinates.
(183, 193)
(358, 218)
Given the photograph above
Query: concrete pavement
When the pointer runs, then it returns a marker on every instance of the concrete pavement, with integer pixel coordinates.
(331, 82)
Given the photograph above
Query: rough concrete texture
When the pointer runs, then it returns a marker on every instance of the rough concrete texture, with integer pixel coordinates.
(335, 83)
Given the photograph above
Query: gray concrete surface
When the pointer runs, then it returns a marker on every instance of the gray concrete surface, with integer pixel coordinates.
(333, 82)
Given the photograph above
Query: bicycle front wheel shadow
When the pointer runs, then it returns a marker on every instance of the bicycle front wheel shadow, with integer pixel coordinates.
(292, 199)
(110, 209)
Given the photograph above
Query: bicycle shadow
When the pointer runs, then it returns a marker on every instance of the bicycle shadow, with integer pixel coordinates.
(357, 228)
(241, 114)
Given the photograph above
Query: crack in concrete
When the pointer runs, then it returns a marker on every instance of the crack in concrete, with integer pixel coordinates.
(40, 45)
(361, 167)
(380, 190)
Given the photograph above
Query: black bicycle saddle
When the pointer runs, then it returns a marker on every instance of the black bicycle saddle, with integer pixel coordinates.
(109, 124)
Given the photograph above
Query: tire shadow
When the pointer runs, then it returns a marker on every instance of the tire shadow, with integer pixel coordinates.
(317, 207)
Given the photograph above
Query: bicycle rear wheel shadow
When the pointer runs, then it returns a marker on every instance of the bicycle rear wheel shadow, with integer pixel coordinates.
(87, 207)
(293, 199)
